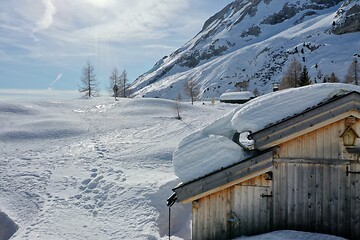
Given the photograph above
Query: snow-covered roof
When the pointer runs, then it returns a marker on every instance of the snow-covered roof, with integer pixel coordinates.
(237, 96)
(212, 148)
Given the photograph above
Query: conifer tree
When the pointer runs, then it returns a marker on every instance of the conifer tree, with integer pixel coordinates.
(304, 78)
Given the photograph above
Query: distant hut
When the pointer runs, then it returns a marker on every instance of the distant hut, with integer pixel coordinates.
(236, 97)
(304, 175)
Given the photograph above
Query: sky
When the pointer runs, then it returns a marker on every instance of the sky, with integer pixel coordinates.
(44, 44)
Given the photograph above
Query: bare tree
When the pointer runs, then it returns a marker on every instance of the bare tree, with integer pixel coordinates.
(292, 75)
(242, 86)
(256, 92)
(319, 75)
(333, 78)
(123, 83)
(191, 90)
(114, 82)
(177, 107)
(353, 73)
(88, 80)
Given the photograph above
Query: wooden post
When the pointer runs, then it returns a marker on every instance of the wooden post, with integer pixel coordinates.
(169, 221)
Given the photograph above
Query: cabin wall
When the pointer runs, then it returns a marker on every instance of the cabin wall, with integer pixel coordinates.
(312, 197)
(324, 143)
(235, 211)
(313, 190)
(315, 186)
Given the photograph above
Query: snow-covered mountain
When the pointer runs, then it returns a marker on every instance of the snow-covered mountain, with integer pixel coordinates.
(254, 41)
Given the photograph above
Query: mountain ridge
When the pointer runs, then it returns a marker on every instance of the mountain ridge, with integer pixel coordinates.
(253, 41)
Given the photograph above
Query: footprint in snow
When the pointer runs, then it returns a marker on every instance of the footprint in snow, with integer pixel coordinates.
(94, 192)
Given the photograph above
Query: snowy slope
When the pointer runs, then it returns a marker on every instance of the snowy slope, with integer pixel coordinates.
(93, 169)
(255, 41)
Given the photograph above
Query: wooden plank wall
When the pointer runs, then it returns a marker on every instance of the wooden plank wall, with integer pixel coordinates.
(233, 212)
(315, 196)
(321, 143)
(250, 212)
(312, 197)
(355, 200)
(324, 143)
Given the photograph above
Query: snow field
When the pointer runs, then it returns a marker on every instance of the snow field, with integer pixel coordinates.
(94, 169)
(109, 176)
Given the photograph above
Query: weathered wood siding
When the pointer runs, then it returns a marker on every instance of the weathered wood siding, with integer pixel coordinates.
(355, 200)
(312, 190)
(312, 196)
(235, 211)
(324, 143)
(315, 187)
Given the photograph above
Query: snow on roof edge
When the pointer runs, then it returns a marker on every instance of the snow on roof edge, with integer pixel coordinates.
(237, 95)
(210, 149)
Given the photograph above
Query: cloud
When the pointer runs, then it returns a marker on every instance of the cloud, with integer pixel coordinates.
(47, 18)
(121, 21)
(62, 34)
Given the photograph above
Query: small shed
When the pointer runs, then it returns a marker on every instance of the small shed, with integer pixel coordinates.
(304, 174)
(236, 97)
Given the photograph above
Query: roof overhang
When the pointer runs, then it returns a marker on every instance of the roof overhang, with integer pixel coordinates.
(224, 178)
(308, 121)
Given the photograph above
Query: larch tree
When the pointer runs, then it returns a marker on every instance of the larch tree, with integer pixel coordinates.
(292, 75)
(304, 79)
(256, 92)
(191, 90)
(333, 78)
(123, 83)
(353, 73)
(115, 82)
(242, 86)
(89, 84)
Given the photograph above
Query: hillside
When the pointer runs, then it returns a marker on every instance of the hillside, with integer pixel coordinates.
(254, 41)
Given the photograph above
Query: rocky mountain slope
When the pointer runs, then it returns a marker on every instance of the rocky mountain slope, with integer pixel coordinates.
(254, 41)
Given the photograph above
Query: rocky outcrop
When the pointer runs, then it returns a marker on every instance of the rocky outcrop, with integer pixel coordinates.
(349, 18)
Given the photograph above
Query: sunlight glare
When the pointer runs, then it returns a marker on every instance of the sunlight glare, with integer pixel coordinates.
(100, 3)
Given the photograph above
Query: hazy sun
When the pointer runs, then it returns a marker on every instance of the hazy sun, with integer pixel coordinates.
(99, 3)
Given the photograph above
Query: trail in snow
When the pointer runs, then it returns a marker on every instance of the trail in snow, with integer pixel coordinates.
(93, 169)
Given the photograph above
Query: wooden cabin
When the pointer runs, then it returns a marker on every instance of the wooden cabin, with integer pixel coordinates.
(305, 175)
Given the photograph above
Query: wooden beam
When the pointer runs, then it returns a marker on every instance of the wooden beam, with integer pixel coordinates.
(313, 161)
(308, 121)
(224, 178)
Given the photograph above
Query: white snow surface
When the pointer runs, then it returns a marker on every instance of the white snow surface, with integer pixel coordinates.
(212, 148)
(94, 168)
(99, 169)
